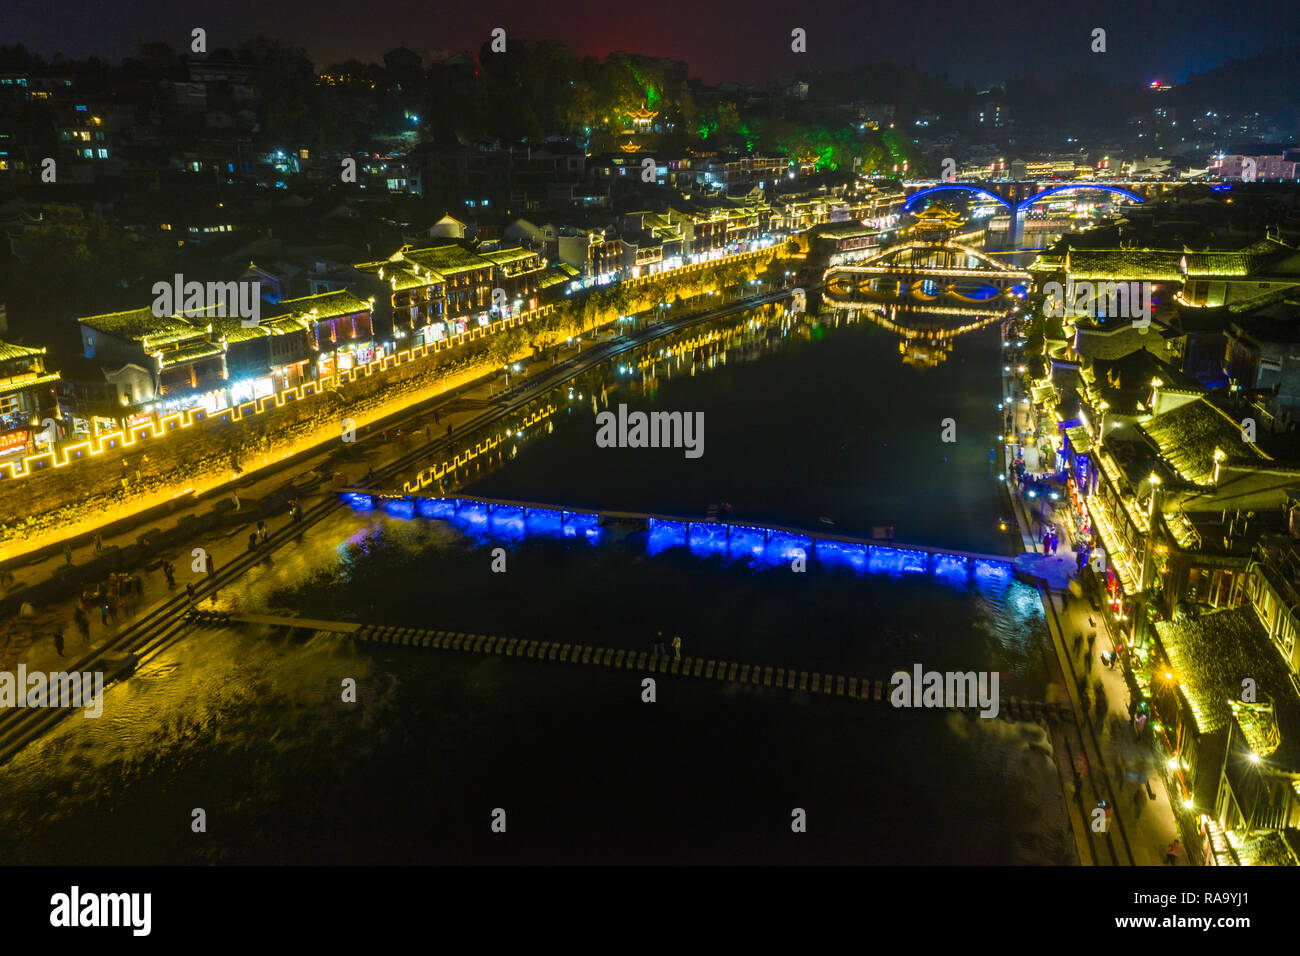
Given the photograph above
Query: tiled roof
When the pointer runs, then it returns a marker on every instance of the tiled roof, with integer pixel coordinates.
(233, 330)
(190, 353)
(506, 256)
(1162, 264)
(10, 351)
(326, 305)
(1212, 653)
(20, 383)
(448, 260)
(1187, 437)
(141, 324)
(1269, 848)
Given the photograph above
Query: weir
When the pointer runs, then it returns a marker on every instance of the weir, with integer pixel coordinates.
(757, 675)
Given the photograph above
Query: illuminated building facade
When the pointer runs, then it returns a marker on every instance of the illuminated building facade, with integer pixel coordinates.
(27, 397)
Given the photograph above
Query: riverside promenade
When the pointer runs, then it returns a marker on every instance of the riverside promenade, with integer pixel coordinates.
(389, 446)
(1104, 760)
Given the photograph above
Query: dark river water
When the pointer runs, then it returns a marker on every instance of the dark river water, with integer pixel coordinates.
(818, 426)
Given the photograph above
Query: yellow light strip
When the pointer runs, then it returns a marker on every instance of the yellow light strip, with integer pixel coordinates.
(27, 539)
(1115, 547)
(110, 441)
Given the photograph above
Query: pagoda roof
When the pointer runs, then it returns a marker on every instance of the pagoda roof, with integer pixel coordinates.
(20, 383)
(10, 351)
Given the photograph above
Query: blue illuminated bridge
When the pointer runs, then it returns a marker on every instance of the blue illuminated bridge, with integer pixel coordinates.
(773, 545)
(1017, 197)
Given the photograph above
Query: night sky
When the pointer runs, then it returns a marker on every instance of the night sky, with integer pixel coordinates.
(748, 41)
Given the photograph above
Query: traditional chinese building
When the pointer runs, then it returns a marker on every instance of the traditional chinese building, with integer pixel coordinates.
(159, 363)
(339, 334)
(27, 397)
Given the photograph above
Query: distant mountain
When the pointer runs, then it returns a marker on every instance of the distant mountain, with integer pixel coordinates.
(1268, 83)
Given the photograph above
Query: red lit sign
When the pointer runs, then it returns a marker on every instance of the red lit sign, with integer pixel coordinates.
(11, 440)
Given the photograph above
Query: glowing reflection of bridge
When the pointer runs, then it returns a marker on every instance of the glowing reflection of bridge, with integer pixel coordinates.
(926, 330)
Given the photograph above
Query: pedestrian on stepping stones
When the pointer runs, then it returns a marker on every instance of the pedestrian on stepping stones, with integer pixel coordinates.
(677, 647)
(659, 643)
(58, 641)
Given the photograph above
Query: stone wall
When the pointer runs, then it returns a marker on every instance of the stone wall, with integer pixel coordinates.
(75, 499)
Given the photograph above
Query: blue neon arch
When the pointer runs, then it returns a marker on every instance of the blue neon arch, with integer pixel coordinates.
(1026, 203)
(946, 187)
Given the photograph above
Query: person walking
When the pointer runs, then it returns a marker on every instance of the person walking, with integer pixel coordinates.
(659, 643)
(99, 543)
(58, 641)
(235, 495)
(1173, 852)
(677, 647)
(1139, 801)
(189, 591)
(103, 613)
(67, 554)
(83, 625)
(169, 572)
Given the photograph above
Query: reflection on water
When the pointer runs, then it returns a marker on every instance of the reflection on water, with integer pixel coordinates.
(252, 728)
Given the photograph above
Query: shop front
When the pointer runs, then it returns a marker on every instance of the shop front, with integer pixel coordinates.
(14, 443)
(345, 358)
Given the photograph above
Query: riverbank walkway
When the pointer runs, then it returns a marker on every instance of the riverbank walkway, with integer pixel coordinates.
(1111, 763)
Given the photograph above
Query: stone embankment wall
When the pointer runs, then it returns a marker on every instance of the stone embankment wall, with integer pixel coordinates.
(75, 499)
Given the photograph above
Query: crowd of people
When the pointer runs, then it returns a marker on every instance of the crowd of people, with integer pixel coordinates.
(118, 595)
